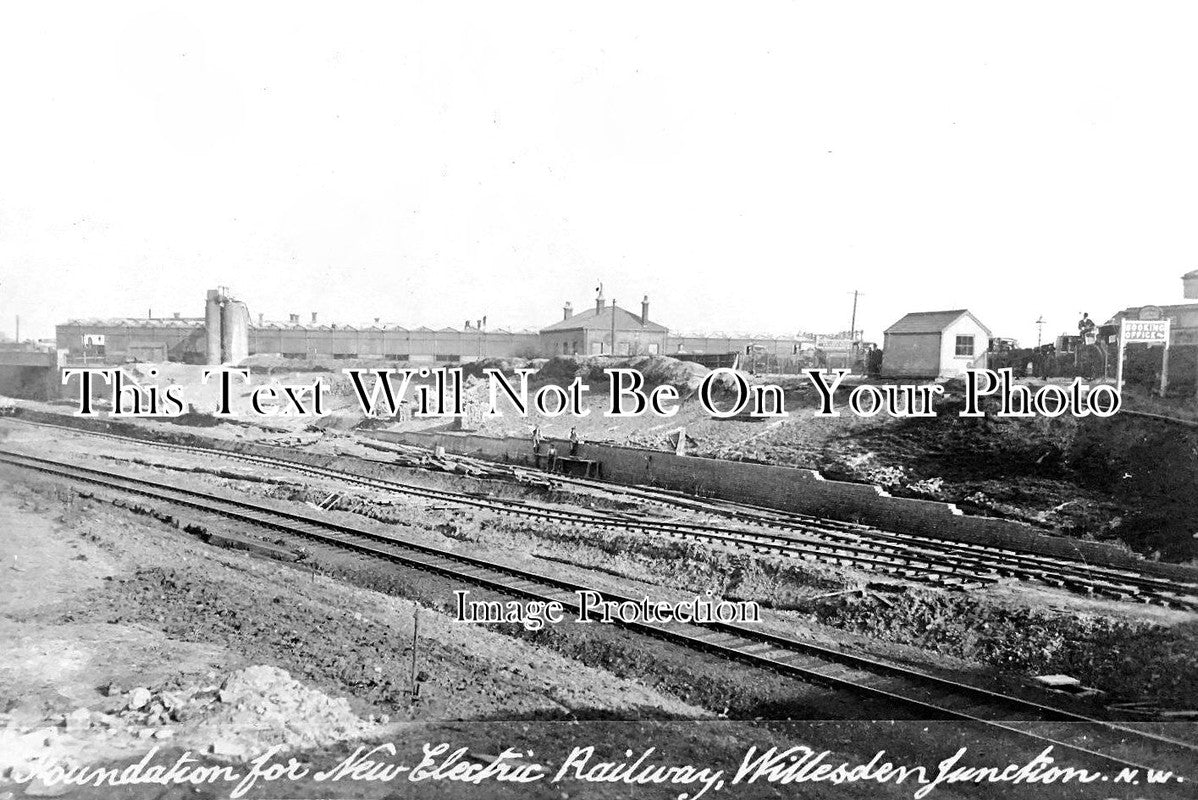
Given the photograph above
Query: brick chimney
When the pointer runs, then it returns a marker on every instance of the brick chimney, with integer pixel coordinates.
(600, 302)
(645, 310)
(567, 311)
(293, 319)
(313, 317)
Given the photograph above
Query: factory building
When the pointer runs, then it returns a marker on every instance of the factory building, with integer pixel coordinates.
(605, 330)
(228, 334)
(221, 336)
(225, 334)
(389, 343)
(113, 341)
(745, 344)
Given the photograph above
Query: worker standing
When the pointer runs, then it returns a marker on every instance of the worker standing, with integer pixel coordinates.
(574, 441)
(536, 446)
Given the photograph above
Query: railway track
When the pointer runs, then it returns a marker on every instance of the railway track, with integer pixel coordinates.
(1077, 575)
(888, 685)
(923, 559)
(981, 563)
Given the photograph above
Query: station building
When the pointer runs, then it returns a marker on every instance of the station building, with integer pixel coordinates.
(1183, 317)
(1147, 362)
(1183, 320)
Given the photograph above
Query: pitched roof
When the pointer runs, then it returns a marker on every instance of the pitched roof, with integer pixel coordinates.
(932, 321)
(134, 322)
(592, 320)
(1133, 312)
(1191, 274)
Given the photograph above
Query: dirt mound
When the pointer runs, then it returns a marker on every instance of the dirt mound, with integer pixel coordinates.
(265, 363)
(657, 370)
(507, 366)
(1149, 467)
(1126, 479)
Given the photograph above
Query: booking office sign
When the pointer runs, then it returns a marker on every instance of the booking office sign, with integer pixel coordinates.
(1144, 331)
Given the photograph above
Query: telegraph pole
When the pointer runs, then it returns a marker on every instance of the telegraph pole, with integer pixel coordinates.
(613, 326)
(1039, 329)
(855, 345)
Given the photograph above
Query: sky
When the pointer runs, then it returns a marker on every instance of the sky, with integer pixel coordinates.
(746, 165)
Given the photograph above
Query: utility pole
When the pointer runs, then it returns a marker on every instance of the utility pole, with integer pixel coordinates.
(613, 326)
(18, 328)
(1039, 330)
(853, 329)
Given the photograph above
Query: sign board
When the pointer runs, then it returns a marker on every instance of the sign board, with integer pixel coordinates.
(1149, 331)
(835, 344)
(1148, 313)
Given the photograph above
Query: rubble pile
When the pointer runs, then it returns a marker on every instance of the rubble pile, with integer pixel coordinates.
(262, 706)
(253, 710)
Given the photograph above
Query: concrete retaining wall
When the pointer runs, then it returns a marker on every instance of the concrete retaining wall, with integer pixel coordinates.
(801, 491)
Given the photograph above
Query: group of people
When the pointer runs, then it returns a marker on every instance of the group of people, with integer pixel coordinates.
(538, 441)
(873, 361)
